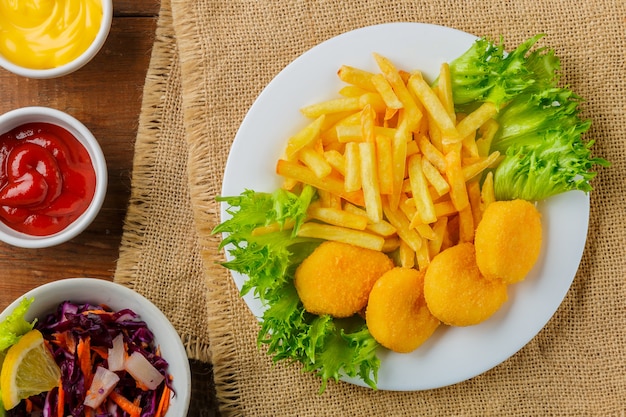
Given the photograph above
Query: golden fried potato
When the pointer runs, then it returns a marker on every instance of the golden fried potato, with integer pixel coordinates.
(337, 278)
(508, 240)
(455, 290)
(396, 314)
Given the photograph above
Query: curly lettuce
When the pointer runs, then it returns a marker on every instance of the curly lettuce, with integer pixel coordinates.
(324, 346)
(540, 129)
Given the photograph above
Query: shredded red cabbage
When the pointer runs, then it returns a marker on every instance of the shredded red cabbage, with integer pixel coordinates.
(77, 320)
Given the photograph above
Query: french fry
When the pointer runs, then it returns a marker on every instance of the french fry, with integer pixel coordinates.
(412, 113)
(432, 153)
(406, 255)
(487, 193)
(423, 256)
(401, 223)
(434, 177)
(349, 133)
(336, 105)
(419, 188)
(352, 91)
(304, 137)
(468, 145)
(398, 156)
(456, 179)
(390, 114)
(374, 100)
(385, 164)
(433, 106)
(487, 131)
(434, 133)
(439, 229)
(338, 217)
(475, 119)
(425, 231)
(412, 148)
(336, 160)
(444, 90)
(466, 225)
(473, 192)
(391, 244)
(369, 181)
(334, 201)
(329, 183)
(445, 208)
(382, 228)
(352, 179)
(368, 121)
(341, 234)
(354, 133)
(386, 92)
(315, 161)
(356, 77)
(472, 170)
(323, 199)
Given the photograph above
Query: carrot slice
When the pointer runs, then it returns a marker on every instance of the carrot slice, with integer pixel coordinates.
(61, 400)
(164, 402)
(84, 359)
(29, 405)
(101, 351)
(125, 404)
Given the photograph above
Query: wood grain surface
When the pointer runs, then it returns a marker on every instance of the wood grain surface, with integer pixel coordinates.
(106, 96)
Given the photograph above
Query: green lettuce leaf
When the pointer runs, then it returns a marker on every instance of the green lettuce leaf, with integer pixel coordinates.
(485, 72)
(540, 129)
(14, 326)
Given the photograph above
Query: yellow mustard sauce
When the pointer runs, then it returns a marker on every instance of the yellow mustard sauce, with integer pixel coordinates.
(42, 34)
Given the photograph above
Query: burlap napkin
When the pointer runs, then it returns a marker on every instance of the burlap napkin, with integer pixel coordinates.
(159, 253)
(207, 70)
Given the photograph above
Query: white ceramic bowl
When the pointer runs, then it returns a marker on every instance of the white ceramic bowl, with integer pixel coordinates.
(79, 62)
(17, 117)
(97, 291)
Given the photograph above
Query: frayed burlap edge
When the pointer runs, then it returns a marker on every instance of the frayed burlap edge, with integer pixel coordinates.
(163, 74)
(203, 156)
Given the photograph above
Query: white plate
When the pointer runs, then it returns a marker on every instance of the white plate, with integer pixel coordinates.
(453, 354)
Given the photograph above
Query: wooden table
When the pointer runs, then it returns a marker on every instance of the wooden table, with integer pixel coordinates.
(106, 96)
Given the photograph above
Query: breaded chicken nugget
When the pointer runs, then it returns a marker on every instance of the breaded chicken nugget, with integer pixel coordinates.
(397, 315)
(455, 290)
(337, 278)
(508, 240)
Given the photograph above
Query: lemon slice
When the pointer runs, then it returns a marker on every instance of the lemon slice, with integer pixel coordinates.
(28, 369)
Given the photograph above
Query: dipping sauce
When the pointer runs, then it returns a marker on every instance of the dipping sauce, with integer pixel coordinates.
(43, 34)
(47, 179)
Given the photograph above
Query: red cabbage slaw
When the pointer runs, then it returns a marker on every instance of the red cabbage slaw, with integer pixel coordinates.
(80, 337)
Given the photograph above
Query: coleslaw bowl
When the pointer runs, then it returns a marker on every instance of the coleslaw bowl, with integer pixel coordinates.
(47, 297)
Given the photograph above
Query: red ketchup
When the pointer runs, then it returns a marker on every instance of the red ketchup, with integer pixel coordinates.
(46, 178)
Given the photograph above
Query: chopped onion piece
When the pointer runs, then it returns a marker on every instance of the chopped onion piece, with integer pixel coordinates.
(116, 354)
(142, 370)
(103, 383)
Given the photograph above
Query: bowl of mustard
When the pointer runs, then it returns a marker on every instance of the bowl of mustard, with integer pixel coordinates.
(49, 39)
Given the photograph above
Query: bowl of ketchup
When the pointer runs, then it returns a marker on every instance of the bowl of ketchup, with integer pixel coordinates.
(52, 38)
(53, 177)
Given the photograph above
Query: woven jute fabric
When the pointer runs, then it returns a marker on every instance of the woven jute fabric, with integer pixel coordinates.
(159, 253)
(211, 60)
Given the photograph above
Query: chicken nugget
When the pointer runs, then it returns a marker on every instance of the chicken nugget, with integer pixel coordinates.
(455, 290)
(397, 315)
(508, 240)
(337, 278)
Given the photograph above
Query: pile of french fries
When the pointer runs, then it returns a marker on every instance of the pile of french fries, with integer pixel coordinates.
(396, 168)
